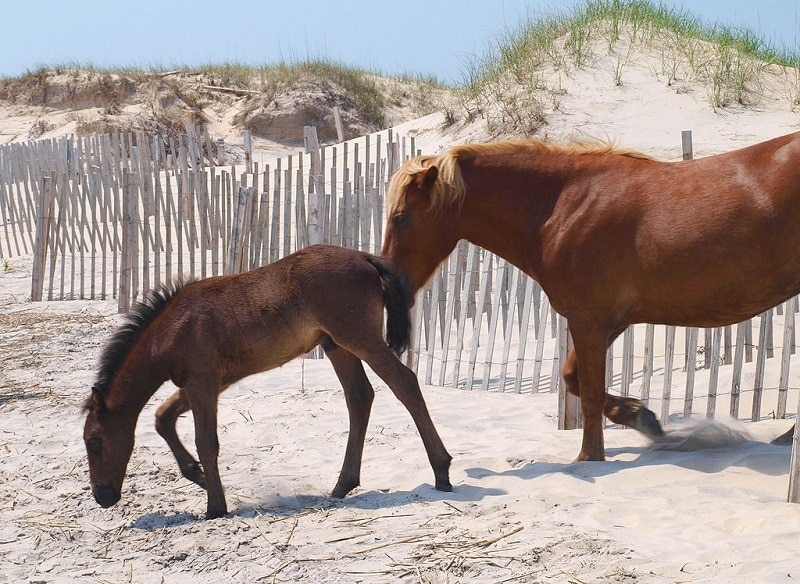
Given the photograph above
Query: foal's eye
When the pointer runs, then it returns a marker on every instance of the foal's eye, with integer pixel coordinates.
(400, 218)
(94, 445)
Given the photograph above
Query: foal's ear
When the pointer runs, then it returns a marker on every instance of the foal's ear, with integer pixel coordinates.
(424, 179)
(97, 402)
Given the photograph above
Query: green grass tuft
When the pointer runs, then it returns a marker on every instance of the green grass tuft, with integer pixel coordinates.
(728, 61)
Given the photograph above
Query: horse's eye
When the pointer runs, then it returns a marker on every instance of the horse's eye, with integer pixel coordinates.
(400, 218)
(94, 445)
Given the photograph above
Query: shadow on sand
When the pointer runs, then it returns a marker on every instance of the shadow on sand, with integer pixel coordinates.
(760, 457)
(288, 506)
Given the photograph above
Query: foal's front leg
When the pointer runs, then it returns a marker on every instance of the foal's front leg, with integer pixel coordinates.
(166, 419)
(203, 402)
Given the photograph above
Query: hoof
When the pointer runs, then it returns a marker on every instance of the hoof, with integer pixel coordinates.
(215, 513)
(444, 487)
(648, 424)
(583, 457)
(341, 491)
(194, 472)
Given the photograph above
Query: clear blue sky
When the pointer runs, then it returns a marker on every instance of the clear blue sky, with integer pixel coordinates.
(405, 36)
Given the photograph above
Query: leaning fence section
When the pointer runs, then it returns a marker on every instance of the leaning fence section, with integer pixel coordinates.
(112, 216)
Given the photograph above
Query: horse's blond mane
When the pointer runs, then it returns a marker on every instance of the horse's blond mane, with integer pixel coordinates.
(448, 189)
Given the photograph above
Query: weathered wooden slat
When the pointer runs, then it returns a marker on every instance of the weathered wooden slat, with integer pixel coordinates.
(786, 354)
(486, 275)
(738, 358)
(42, 239)
(713, 383)
(669, 361)
(500, 275)
(647, 369)
(462, 319)
(761, 356)
(691, 368)
(515, 277)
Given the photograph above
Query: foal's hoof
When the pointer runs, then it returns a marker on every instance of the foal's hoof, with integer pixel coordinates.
(340, 491)
(215, 514)
(194, 472)
(444, 486)
(648, 424)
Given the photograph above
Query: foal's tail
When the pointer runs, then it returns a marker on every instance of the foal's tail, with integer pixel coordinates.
(398, 300)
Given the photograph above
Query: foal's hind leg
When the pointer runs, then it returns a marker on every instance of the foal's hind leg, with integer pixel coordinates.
(358, 394)
(166, 418)
(627, 411)
(402, 381)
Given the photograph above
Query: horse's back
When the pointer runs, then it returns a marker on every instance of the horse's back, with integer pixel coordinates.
(700, 242)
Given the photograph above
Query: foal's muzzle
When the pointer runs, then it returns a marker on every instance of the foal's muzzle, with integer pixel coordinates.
(105, 495)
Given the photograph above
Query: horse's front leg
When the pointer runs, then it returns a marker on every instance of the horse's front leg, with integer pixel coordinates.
(203, 402)
(359, 395)
(590, 352)
(166, 418)
(627, 411)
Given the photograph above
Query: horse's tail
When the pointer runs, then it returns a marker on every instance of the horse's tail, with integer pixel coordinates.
(398, 300)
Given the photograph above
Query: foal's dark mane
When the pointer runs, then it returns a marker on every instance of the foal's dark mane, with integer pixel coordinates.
(124, 338)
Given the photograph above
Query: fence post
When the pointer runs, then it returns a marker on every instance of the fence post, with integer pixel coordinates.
(128, 233)
(569, 406)
(686, 144)
(794, 466)
(42, 239)
(248, 152)
(234, 263)
(315, 191)
(337, 121)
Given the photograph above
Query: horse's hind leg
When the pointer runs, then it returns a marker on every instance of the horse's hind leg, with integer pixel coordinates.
(627, 411)
(358, 394)
(166, 419)
(402, 381)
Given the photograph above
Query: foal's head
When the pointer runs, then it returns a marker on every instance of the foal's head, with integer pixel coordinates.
(123, 386)
(109, 444)
(423, 200)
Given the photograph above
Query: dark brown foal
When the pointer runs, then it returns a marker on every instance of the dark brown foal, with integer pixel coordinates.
(207, 335)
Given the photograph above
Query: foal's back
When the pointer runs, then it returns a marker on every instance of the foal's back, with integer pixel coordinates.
(236, 325)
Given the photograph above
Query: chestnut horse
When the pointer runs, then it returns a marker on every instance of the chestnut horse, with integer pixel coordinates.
(613, 237)
(208, 334)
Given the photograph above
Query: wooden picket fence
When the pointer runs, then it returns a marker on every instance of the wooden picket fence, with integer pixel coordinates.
(112, 216)
(116, 215)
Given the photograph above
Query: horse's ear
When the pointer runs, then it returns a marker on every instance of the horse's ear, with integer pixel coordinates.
(425, 179)
(97, 402)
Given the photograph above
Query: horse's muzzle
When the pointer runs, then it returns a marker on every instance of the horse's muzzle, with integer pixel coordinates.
(105, 495)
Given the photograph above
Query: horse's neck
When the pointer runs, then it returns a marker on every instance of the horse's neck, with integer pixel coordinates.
(507, 222)
(135, 383)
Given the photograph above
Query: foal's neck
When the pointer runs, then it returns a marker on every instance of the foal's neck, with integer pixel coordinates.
(135, 383)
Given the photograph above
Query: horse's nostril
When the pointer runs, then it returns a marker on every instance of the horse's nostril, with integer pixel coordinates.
(105, 495)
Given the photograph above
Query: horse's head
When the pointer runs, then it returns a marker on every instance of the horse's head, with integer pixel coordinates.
(423, 202)
(109, 444)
